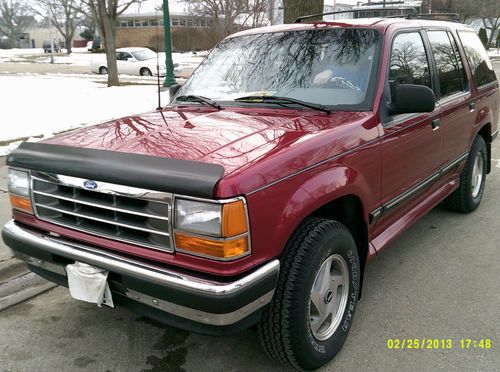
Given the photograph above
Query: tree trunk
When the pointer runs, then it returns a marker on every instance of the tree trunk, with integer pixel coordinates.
(110, 47)
(493, 29)
(68, 36)
(108, 35)
(67, 41)
(298, 8)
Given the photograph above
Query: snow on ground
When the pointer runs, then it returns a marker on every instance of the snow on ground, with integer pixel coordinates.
(44, 105)
(81, 57)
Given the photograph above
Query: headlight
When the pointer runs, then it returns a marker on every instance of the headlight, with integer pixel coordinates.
(212, 230)
(18, 182)
(198, 217)
(18, 185)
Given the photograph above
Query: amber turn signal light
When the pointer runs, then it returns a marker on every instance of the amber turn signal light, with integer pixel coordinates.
(229, 248)
(234, 219)
(21, 203)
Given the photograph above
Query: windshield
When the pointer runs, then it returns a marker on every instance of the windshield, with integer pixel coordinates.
(329, 67)
(142, 55)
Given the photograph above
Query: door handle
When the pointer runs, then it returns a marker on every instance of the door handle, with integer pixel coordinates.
(472, 106)
(436, 124)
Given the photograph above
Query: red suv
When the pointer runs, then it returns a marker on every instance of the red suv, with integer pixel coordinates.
(292, 156)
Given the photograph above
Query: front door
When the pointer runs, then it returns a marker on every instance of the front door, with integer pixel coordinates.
(410, 143)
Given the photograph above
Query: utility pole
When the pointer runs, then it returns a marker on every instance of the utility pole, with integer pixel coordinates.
(169, 64)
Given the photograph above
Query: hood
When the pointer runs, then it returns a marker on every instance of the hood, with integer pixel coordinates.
(235, 139)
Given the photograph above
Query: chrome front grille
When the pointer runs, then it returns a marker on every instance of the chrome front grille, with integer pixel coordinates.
(128, 214)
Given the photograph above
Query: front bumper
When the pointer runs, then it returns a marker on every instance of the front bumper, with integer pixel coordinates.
(196, 303)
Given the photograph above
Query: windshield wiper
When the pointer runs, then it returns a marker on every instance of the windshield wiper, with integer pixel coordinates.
(283, 100)
(199, 99)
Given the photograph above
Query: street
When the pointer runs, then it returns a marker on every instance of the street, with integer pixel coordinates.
(440, 280)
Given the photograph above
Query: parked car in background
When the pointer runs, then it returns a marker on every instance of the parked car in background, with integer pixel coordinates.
(134, 61)
(47, 46)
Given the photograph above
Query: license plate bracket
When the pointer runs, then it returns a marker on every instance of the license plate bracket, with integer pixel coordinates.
(89, 283)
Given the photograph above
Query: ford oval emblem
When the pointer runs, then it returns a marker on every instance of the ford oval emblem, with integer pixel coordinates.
(90, 185)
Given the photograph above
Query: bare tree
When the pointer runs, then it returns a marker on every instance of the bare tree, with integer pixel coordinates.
(106, 12)
(466, 9)
(15, 18)
(230, 15)
(64, 15)
(298, 8)
(490, 15)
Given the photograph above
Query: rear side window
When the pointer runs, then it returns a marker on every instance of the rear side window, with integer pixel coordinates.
(448, 63)
(409, 63)
(481, 67)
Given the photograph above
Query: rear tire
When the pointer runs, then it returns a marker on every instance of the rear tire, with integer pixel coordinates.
(145, 72)
(468, 196)
(103, 70)
(313, 307)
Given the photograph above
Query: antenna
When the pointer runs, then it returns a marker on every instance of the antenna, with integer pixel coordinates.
(158, 63)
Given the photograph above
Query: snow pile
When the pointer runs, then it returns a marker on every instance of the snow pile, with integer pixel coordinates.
(44, 105)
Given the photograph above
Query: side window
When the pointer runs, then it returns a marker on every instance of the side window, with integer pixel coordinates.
(481, 67)
(448, 63)
(409, 63)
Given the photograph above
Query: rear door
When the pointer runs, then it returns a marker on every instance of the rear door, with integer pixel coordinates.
(454, 97)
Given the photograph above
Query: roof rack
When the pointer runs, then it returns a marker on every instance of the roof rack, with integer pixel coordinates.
(412, 14)
(410, 9)
(454, 17)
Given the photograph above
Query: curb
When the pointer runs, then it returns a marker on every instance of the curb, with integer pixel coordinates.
(25, 294)
(18, 284)
(11, 269)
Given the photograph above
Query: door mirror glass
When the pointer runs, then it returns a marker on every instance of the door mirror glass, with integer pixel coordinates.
(411, 98)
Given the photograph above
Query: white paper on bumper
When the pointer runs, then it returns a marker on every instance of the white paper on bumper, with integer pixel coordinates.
(88, 283)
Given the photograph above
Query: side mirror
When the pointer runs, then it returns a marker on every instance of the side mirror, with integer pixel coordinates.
(172, 90)
(130, 59)
(411, 98)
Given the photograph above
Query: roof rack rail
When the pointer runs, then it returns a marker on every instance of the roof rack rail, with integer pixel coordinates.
(454, 17)
(411, 11)
(412, 14)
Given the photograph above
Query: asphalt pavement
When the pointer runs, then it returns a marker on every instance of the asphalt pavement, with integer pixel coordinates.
(440, 280)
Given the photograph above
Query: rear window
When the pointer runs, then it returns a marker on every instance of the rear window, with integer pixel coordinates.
(481, 67)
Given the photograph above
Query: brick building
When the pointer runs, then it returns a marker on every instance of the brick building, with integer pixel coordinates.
(189, 33)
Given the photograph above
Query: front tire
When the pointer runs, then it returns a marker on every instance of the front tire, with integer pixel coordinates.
(468, 196)
(315, 299)
(103, 70)
(145, 72)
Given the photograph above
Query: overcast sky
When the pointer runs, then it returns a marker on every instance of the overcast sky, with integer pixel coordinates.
(177, 6)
